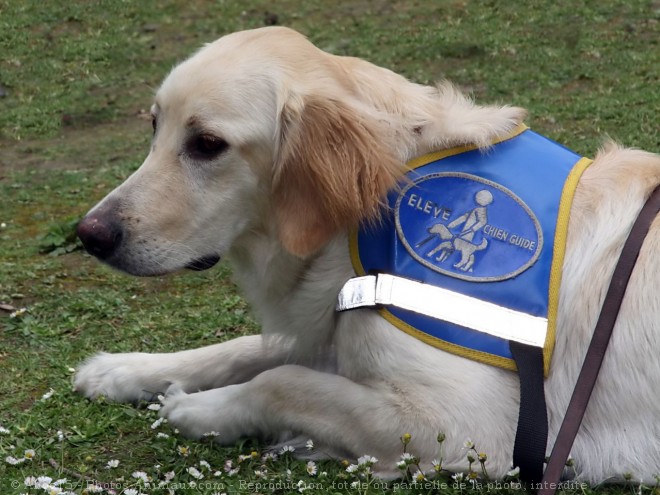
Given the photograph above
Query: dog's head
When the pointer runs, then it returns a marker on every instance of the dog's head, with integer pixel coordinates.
(262, 133)
(257, 132)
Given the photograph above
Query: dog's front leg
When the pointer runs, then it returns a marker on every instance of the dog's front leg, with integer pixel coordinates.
(130, 377)
(338, 414)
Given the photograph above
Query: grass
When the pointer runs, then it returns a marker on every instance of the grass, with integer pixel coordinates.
(77, 77)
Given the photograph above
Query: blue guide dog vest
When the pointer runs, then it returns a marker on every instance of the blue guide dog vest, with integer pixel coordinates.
(469, 254)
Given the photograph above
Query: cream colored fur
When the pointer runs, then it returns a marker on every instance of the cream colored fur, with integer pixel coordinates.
(315, 140)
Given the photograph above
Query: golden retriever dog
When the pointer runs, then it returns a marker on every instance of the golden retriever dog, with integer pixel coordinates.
(267, 151)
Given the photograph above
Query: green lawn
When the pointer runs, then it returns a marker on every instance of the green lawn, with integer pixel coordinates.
(76, 79)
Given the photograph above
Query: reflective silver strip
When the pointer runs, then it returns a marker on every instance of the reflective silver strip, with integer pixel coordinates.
(443, 304)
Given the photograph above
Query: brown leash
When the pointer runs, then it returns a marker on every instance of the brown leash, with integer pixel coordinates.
(598, 346)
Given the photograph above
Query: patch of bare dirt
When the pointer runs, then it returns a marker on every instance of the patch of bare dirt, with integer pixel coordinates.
(76, 147)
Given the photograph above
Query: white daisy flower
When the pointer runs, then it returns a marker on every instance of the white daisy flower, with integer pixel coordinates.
(309, 445)
(48, 394)
(160, 434)
(43, 481)
(13, 461)
(4, 431)
(157, 423)
(30, 481)
(194, 472)
(352, 468)
(418, 476)
(513, 472)
(154, 407)
(406, 460)
(311, 468)
(29, 454)
(205, 464)
(18, 312)
(141, 475)
(458, 477)
(287, 448)
(468, 444)
(367, 460)
(112, 463)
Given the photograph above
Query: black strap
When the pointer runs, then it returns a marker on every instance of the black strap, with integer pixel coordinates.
(532, 434)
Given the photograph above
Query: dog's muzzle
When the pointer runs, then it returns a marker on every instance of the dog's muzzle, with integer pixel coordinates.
(102, 236)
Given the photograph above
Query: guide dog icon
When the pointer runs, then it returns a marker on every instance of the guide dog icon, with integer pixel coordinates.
(472, 222)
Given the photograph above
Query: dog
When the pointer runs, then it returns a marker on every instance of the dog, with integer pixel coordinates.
(451, 244)
(267, 151)
(467, 250)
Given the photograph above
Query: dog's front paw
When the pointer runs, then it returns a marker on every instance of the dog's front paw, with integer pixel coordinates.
(214, 412)
(128, 377)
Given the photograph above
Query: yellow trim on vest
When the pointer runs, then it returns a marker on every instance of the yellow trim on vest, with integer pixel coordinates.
(482, 357)
(561, 233)
(438, 155)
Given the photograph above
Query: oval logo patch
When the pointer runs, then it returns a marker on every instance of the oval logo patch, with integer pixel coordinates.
(467, 227)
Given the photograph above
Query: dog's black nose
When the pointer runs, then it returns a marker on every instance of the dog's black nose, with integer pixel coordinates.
(100, 236)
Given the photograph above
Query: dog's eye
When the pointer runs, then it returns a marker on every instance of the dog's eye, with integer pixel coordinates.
(154, 124)
(205, 147)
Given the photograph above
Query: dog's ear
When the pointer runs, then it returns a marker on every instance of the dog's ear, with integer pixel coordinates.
(332, 172)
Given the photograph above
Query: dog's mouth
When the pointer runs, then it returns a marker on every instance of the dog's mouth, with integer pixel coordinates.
(203, 263)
